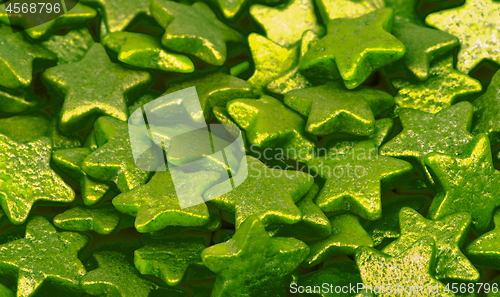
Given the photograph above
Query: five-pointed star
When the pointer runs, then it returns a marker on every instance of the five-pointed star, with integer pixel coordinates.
(332, 109)
(267, 193)
(448, 233)
(487, 111)
(270, 59)
(336, 9)
(156, 205)
(70, 47)
(477, 26)
(26, 177)
(347, 235)
(113, 161)
(356, 180)
(468, 182)
(93, 87)
(485, 250)
(118, 14)
(423, 45)
(204, 38)
(102, 220)
(286, 134)
(44, 254)
(17, 56)
(146, 51)
(444, 132)
(414, 268)
(354, 61)
(252, 263)
(285, 25)
(444, 87)
(70, 161)
(173, 259)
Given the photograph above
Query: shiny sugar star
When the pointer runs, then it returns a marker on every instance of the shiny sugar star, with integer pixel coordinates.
(336, 9)
(485, 250)
(118, 14)
(487, 111)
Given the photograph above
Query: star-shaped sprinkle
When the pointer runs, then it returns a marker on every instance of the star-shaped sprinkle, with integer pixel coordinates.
(412, 268)
(336, 9)
(146, 51)
(110, 84)
(449, 234)
(485, 250)
(252, 263)
(43, 254)
(113, 161)
(71, 47)
(16, 68)
(388, 226)
(285, 25)
(347, 235)
(287, 133)
(444, 132)
(444, 87)
(102, 220)
(332, 109)
(477, 26)
(405, 11)
(156, 205)
(173, 259)
(467, 182)
(487, 111)
(354, 61)
(423, 45)
(205, 39)
(356, 180)
(26, 177)
(271, 60)
(267, 193)
(118, 14)
(116, 276)
(213, 225)
(14, 103)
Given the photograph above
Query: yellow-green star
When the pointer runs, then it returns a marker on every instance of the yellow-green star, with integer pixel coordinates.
(487, 111)
(477, 26)
(485, 250)
(118, 14)
(337, 9)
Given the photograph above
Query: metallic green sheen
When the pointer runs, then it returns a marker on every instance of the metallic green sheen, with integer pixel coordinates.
(102, 220)
(487, 111)
(71, 47)
(485, 250)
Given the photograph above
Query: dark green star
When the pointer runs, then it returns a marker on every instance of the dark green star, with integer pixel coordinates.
(102, 220)
(485, 250)
(467, 182)
(71, 47)
(27, 178)
(119, 14)
(356, 180)
(252, 263)
(332, 109)
(93, 87)
(205, 38)
(405, 11)
(487, 111)
(354, 61)
(44, 254)
(444, 132)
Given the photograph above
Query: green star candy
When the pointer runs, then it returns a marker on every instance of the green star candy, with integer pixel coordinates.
(285, 25)
(17, 56)
(113, 161)
(146, 51)
(270, 59)
(71, 47)
(405, 11)
(27, 178)
(332, 109)
(356, 180)
(476, 25)
(336, 9)
(347, 235)
(119, 14)
(444, 87)
(174, 259)
(354, 61)
(252, 263)
(388, 226)
(102, 220)
(14, 103)
(466, 183)
(444, 132)
(110, 84)
(414, 268)
(487, 110)
(116, 276)
(44, 254)
(213, 225)
(267, 193)
(286, 134)
(156, 205)
(485, 250)
(205, 38)
(449, 235)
